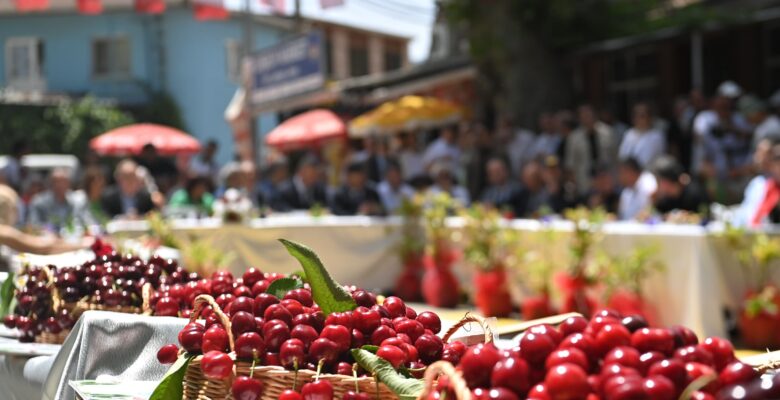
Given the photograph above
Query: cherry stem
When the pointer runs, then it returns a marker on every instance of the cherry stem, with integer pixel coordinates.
(252, 370)
(319, 368)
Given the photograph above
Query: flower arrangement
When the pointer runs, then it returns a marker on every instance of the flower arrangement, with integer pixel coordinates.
(411, 249)
(623, 276)
(576, 283)
(233, 207)
(533, 266)
(439, 286)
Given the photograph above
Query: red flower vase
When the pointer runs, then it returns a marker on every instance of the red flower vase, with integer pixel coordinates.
(408, 285)
(492, 292)
(760, 331)
(575, 296)
(534, 307)
(439, 285)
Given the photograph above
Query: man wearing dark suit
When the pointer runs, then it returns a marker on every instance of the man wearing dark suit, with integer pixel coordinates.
(357, 196)
(303, 191)
(128, 197)
(502, 192)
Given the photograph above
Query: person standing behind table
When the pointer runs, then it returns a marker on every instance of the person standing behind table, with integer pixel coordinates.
(196, 194)
(444, 148)
(502, 192)
(642, 142)
(377, 160)
(638, 189)
(534, 197)
(356, 196)
(163, 171)
(767, 210)
(59, 206)
(204, 163)
(93, 182)
(548, 140)
(676, 190)
(13, 172)
(410, 157)
(756, 188)
(766, 125)
(128, 197)
(392, 190)
(304, 190)
(445, 182)
(589, 145)
(520, 147)
(604, 192)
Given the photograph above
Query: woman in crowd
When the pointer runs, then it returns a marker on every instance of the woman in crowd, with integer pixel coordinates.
(196, 194)
(643, 142)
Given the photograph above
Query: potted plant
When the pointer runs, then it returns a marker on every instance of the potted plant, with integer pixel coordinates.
(577, 282)
(485, 249)
(533, 267)
(440, 287)
(623, 276)
(411, 250)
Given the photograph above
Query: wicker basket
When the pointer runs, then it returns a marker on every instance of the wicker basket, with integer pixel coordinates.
(456, 381)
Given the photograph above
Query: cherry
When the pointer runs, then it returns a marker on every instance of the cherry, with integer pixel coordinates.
(290, 394)
(339, 334)
(278, 311)
(410, 327)
(249, 345)
(660, 388)
(275, 332)
(672, 369)
(302, 296)
(646, 360)
(305, 333)
(52, 326)
(568, 356)
(547, 330)
(395, 307)
(477, 364)
(216, 365)
(191, 338)
(699, 395)
(168, 354)
(358, 339)
(381, 333)
(412, 355)
(625, 388)
(535, 348)
(325, 350)
(344, 368)
(695, 370)
(246, 388)
(429, 347)
(694, 354)
(653, 339)
(317, 390)
(572, 325)
(567, 381)
(511, 373)
(251, 276)
(599, 322)
(272, 359)
(364, 298)
(242, 303)
(410, 313)
(167, 307)
(611, 336)
(394, 355)
(721, 349)
(293, 306)
(683, 336)
(366, 320)
(430, 321)
(582, 342)
(241, 322)
(260, 287)
(737, 372)
(9, 321)
(623, 355)
(215, 339)
(263, 301)
(499, 394)
(346, 319)
(634, 322)
(292, 353)
(350, 395)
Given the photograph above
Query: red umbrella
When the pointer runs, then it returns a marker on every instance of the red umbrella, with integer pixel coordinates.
(307, 129)
(130, 139)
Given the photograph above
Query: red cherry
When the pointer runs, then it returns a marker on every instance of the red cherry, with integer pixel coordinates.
(290, 394)
(660, 388)
(721, 349)
(572, 325)
(241, 322)
(395, 356)
(191, 339)
(653, 339)
(292, 353)
(168, 354)
(339, 334)
(623, 355)
(615, 370)
(535, 348)
(275, 332)
(382, 333)
(271, 359)
(246, 388)
(263, 301)
(683, 336)
(580, 341)
(346, 319)
(249, 345)
(215, 339)
(547, 330)
(412, 355)
(410, 327)
(366, 320)
(737, 372)
(500, 394)
(672, 369)
(539, 392)
(430, 321)
(634, 322)
(216, 365)
(695, 370)
(646, 360)
(395, 306)
(303, 296)
(511, 373)
(694, 354)
(260, 287)
(304, 333)
(251, 276)
(278, 311)
(567, 381)
(478, 362)
(430, 347)
(625, 388)
(318, 390)
(324, 349)
(242, 303)
(599, 322)
(350, 395)
(344, 368)
(699, 395)
(167, 307)
(567, 356)
(611, 336)
(293, 306)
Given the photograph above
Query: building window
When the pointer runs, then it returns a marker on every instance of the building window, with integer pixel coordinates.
(393, 60)
(24, 63)
(358, 56)
(632, 77)
(111, 57)
(772, 59)
(233, 59)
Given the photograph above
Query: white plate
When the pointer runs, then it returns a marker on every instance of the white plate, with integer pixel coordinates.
(126, 390)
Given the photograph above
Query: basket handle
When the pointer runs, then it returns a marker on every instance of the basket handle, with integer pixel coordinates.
(146, 296)
(468, 318)
(199, 304)
(462, 391)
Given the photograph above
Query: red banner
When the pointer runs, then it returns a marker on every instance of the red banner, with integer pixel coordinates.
(31, 5)
(206, 12)
(90, 7)
(150, 6)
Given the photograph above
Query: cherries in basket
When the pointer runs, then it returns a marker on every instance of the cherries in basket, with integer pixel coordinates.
(609, 357)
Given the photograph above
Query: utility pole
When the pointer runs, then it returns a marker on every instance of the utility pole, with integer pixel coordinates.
(298, 18)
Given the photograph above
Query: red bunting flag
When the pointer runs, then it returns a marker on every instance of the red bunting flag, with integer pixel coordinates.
(206, 10)
(31, 5)
(277, 6)
(90, 7)
(150, 6)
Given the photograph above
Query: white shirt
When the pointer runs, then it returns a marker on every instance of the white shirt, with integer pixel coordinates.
(643, 146)
(636, 199)
(754, 195)
(13, 172)
(439, 149)
(521, 149)
(458, 193)
(392, 198)
(412, 163)
(546, 144)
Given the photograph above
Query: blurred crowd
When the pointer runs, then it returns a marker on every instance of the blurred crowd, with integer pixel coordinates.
(718, 149)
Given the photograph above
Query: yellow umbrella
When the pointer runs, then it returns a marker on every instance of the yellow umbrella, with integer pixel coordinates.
(408, 112)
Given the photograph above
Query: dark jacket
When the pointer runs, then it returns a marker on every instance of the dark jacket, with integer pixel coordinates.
(288, 198)
(112, 202)
(348, 202)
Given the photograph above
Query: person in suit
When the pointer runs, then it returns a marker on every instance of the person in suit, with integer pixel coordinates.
(502, 192)
(304, 190)
(357, 196)
(590, 145)
(128, 197)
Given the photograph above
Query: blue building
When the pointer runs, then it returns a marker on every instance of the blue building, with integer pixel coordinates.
(120, 54)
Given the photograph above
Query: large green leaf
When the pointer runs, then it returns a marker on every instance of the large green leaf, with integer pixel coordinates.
(280, 287)
(404, 388)
(171, 387)
(327, 293)
(6, 295)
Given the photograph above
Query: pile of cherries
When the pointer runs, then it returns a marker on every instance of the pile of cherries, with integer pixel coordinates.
(611, 358)
(111, 279)
(292, 332)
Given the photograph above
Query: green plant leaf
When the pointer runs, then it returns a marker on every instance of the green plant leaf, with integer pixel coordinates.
(327, 293)
(300, 274)
(370, 347)
(404, 388)
(280, 287)
(6, 295)
(172, 385)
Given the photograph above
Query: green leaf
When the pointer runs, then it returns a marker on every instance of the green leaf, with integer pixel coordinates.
(404, 388)
(6, 295)
(370, 347)
(300, 274)
(172, 385)
(697, 384)
(327, 293)
(280, 287)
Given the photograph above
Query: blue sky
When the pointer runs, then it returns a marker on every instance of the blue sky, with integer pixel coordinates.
(412, 18)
